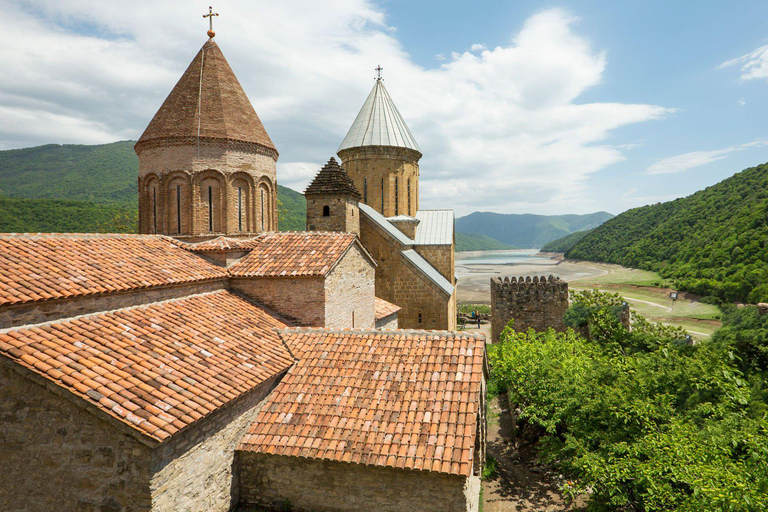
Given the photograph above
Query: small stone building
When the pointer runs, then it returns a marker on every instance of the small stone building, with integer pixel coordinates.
(533, 303)
(386, 314)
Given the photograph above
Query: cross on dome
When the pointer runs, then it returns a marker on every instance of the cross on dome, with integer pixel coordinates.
(378, 70)
(210, 16)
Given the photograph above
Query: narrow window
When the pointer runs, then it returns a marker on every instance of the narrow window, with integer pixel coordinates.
(326, 211)
(210, 208)
(397, 197)
(154, 210)
(382, 196)
(353, 319)
(365, 190)
(178, 209)
(262, 209)
(409, 196)
(419, 316)
(239, 208)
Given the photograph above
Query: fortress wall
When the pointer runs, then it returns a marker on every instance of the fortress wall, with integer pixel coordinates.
(537, 303)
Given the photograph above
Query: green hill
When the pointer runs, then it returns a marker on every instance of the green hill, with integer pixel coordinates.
(79, 188)
(478, 242)
(714, 242)
(566, 243)
(527, 231)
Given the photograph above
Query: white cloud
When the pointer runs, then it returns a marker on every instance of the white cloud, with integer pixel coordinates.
(477, 47)
(754, 65)
(742, 102)
(686, 161)
(501, 129)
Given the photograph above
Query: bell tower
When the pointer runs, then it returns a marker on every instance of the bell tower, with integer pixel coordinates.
(332, 201)
(206, 163)
(381, 156)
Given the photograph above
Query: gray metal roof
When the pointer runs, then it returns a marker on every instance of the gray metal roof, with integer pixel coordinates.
(387, 226)
(428, 270)
(435, 227)
(379, 124)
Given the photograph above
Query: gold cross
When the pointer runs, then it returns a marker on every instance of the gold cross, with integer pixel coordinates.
(378, 70)
(210, 16)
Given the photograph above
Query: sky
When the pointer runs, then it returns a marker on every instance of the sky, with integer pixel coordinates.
(523, 106)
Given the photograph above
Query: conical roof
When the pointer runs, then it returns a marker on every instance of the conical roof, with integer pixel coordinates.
(379, 124)
(332, 180)
(208, 102)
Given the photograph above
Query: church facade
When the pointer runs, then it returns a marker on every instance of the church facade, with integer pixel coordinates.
(212, 363)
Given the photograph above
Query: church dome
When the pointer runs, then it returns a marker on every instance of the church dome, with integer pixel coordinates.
(209, 105)
(379, 124)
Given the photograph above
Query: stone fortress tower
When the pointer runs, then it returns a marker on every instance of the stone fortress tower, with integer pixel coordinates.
(538, 303)
(381, 156)
(206, 163)
(332, 201)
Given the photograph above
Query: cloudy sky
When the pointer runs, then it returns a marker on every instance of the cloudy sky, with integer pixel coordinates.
(519, 107)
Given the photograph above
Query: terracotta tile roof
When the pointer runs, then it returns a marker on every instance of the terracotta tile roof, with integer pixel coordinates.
(383, 308)
(51, 266)
(406, 399)
(157, 368)
(221, 243)
(333, 180)
(305, 253)
(208, 104)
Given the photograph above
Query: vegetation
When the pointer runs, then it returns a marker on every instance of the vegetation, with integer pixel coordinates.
(478, 242)
(467, 309)
(527, 231)
(78, 188)
(566, 243)
(712, 243)
(642, 420)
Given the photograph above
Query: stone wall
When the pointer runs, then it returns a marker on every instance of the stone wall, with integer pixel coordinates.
(349, 292)
(55, 455)
(388, 322)
(344, 215)
(45, 311)
(326, 486)
(194, 470)
(369, 165)
(299, 298)
(441, 257)
(222, 166)
(537, 303)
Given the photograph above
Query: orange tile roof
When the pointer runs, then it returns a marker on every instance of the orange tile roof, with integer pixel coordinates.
(51, 266)
(383, 308)
(406, 399)
(157, 368)
(306, 253)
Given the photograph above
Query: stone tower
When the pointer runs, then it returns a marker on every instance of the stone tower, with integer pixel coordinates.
(332, 201)
(537, 303)
(206, 163)
(382, 157)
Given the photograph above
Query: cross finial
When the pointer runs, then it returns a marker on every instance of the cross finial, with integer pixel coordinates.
(210, 16)
(379, 69)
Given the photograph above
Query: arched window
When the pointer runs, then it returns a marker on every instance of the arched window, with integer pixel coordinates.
(420, 318)
(241, 204)
(211, 201)
(240, 209)
(397, 197)
(409, 196)
(365, 190)
(266, 208)
(326, 211)
(263, 210)
(210, 208)
(382, 196)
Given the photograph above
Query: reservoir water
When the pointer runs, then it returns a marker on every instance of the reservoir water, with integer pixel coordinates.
(521, 257)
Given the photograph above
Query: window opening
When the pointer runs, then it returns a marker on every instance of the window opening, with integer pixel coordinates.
(239, 208)
(262, 209)
(397, 197)
(178, 209)
(326, 211)
(210, 208)
(409, 196)
(154, 210)
(365, 190)
(382, 196)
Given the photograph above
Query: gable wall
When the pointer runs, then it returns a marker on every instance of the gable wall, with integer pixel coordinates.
(350, 290)
(57, 456)
(299, 298)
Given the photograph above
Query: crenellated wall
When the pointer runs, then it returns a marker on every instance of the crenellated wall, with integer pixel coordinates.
(538, 303)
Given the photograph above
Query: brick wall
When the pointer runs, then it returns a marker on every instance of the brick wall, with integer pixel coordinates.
(325, 486)
(45, 311)
(344, 214)
(54, 455)
(537, 303)
(349, 292)
(193, 471)
(298, 298)
(368, 165)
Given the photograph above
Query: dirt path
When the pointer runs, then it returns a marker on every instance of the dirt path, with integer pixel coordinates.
(520, 485)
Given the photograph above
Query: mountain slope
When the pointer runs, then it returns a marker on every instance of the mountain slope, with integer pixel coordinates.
(714, 242)
(566, 243)
(528, 230)
(478, 242)
(81, 188)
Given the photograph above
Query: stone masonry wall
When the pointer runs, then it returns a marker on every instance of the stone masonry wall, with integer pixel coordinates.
(388, 322)
(441, 257)
(350, 292)
(537, 303)
(45, 311)
(327, 486)
(193, 471)
(344, 214)
(57, 456)
(298, 298)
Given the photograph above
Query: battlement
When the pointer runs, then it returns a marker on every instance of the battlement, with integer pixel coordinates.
(533, 302)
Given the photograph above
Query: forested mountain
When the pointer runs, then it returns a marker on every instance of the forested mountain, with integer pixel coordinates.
(527, 230)
(478, 242)
(80, 188)
(566, 243)
(714, 242)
